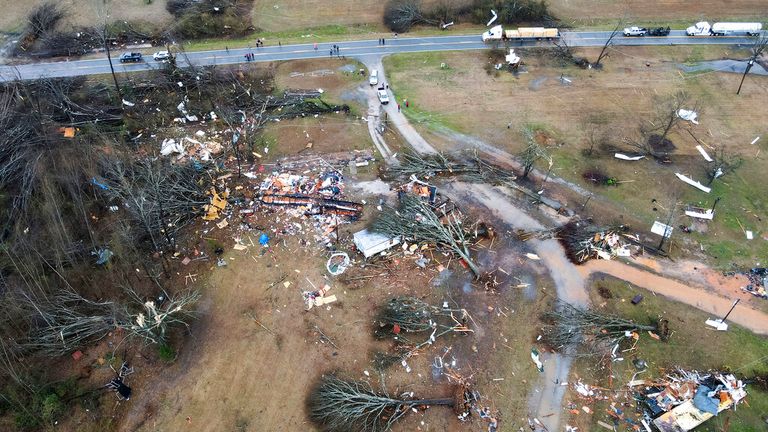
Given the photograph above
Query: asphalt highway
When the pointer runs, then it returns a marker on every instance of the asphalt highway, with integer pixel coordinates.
(355, 49)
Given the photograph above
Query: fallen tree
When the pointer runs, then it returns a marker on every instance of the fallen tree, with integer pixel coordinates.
(339, 405)
(418, 221)
(584, 332)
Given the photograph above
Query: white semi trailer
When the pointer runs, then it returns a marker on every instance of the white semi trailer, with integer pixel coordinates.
(498, 33)
(724, 29)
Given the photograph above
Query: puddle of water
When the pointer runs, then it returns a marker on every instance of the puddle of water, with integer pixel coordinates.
(732, 66)
(373, 187)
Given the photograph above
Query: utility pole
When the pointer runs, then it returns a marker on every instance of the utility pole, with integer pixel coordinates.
(731, 310)
(750, 63)
(717, 200)
(668, 228)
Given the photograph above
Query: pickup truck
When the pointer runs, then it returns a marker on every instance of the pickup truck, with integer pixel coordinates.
(635, 31)
(161, 56)
(659, 31)
(130, 57)
(383, 96)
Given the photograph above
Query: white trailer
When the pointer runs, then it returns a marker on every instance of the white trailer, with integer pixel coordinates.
(724, 29)
(531, 33)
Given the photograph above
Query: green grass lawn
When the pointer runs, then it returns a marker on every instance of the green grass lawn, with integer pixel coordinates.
(691, 346)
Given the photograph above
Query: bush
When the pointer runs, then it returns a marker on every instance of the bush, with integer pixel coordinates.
(401, 15)
(43, 19)
(166, 353)
(51, 407)
(512, 11)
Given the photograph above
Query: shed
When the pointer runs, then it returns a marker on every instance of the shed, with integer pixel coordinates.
(370, 243)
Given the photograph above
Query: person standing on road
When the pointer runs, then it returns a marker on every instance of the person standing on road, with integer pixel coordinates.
(315, 46)
(331, 52)
(383, 41)
(398, 107)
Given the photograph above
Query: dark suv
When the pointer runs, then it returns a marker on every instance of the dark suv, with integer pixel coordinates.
(130, 57)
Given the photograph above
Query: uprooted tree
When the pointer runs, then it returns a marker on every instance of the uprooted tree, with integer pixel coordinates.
(404, 316)
(584, 332)
(339, 405)
(420, 222)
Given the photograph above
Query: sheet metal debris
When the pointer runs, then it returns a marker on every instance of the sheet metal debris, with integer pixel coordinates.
(693, 183)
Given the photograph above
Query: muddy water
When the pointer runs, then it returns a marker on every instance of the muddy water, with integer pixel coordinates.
(709, 302)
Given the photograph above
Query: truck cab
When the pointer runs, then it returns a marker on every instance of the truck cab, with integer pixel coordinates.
(699, 29)
(495, 33)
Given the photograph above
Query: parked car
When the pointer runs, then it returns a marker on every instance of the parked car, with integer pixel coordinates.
(659, 31)
(161, 56)
(635, 31)
(383, 96)
(374, 78)
(130, 57)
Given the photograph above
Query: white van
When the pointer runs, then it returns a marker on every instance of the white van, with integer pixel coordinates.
(374, 79)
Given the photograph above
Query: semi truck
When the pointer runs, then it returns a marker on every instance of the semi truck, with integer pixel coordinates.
(724, 29)
(498, 33)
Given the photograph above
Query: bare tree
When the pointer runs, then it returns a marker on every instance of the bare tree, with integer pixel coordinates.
(595, 136)
(44, 18)
(417, 220)
(608, 43)
(758, 48)
(724, 162)
(571, 327)
(102, 7)
(401, 15)
(159, 197)
(532, 153)
(666, 115)
(668, 112)
(65, 321)
(338, 405)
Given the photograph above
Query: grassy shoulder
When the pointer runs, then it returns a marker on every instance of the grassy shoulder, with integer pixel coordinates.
(692, 345)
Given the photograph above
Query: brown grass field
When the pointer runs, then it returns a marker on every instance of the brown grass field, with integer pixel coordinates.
(85, 12)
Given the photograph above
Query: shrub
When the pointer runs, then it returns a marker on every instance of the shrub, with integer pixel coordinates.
(512, 11)
(401, 15)
(166, 353)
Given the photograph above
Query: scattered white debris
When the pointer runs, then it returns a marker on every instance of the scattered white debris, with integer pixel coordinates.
(704, 153)
(126, 103)
(693, 183)
(622, 156)
(755, 140)
(749, 235)
(493, 19)
(661, 229)
(512, 58)
(708, 214)
(688, 115)
(533, 256)
(170, 146)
